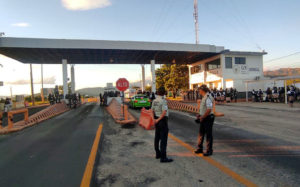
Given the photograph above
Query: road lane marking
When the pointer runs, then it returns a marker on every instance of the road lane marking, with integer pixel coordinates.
(213, 162)
(86, 179)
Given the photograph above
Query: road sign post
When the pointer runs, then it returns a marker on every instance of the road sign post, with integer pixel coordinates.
(122, 84)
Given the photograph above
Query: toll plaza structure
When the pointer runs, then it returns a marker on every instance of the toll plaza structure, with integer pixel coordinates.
(68, 51)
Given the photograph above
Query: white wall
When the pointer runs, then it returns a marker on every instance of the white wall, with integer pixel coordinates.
(238, 76)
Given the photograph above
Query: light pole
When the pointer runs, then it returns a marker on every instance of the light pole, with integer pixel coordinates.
(196, 20)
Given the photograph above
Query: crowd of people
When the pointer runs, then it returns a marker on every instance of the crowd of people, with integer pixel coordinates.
(73, 99)
(276, 95)
(220, 95)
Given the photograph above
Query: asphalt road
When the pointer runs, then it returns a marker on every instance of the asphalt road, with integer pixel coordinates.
(260, 145)
(53, 153)
(267, 159)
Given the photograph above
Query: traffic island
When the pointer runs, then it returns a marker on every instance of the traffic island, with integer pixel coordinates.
(120, 113)
(34, 119)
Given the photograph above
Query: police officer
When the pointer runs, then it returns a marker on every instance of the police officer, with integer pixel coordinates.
(206, 119)
(160, 110)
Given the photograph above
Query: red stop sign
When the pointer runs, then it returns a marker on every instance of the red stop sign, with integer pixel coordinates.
(122, 84)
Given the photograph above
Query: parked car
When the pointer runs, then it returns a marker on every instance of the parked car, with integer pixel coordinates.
(139, 101)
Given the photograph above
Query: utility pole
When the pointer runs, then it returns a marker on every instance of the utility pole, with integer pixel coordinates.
(196, 20)
(31, 82)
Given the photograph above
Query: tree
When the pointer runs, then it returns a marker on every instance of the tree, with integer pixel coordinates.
(148, 88)
(161, 74)
(173, 77)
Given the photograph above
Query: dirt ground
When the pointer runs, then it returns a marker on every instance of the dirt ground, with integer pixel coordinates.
(127, 159)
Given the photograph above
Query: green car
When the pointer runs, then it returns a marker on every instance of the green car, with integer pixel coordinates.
(139, 101)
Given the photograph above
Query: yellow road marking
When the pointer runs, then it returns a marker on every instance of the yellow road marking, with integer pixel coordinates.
(221, 167)
(86, 179)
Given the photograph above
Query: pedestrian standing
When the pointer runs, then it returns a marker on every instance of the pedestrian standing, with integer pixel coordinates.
(206, 119)
(291, 95)
(235, 93)
(101, 99)
(161, 113)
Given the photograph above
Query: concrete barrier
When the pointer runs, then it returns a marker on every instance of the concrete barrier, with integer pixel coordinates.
(147, 119)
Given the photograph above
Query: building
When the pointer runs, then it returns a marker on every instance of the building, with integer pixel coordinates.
(229, 69)
(110, 87)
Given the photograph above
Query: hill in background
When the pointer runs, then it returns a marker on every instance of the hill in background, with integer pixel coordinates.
(282, 72)
(91, 91)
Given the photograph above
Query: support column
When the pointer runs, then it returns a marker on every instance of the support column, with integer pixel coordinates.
(285, 92)
(223, 81)
(42, 82)
(143, 78)
(190, 76)
(31, 84)
(153, 76)
(72, 79)
(247, 92)
(65, 76)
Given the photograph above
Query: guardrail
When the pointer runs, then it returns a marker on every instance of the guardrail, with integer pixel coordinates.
(10, 116)
(176, 105)
(38, 117)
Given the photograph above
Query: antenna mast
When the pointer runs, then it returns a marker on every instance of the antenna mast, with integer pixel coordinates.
(196, 20)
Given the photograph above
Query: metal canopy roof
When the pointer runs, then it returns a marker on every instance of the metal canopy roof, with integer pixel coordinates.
(52, 51)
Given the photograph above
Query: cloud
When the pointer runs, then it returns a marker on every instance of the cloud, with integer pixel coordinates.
(48, 80)
(85, 4)
(21, 24)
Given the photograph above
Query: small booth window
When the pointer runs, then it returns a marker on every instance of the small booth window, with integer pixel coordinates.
(240, 60)
(228, 62)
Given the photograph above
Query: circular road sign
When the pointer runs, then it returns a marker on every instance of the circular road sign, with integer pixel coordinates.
(122, 84)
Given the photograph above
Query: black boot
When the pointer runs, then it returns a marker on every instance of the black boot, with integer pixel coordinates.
(158, 156)
(198, 151)
(165, 160)
(208, 153)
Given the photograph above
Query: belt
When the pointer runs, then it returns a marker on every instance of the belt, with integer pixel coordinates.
(155, 117)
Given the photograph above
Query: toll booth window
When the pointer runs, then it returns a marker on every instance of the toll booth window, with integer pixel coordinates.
(228, 62)
(213, 65)
(196, 69)
(240, 60)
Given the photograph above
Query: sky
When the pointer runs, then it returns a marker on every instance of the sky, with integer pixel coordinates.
(244, 25)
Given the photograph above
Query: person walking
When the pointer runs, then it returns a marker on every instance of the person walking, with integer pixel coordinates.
(161, 113)
(206, 119)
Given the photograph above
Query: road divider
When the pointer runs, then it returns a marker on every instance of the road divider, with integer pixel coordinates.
(49, 112)
(147, 119)
(120, 113)
(176, 105)
(88, 173)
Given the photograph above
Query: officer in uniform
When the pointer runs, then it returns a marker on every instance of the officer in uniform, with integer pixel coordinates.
(160, 110)
(206, 119)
